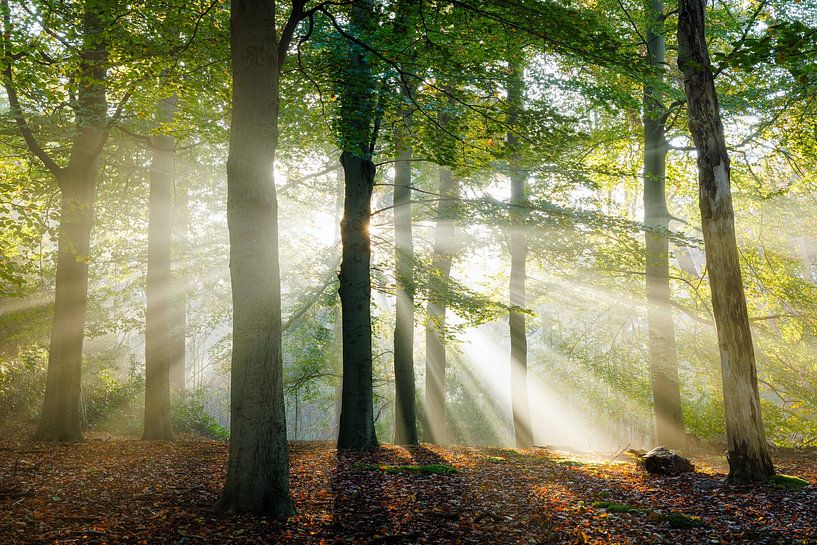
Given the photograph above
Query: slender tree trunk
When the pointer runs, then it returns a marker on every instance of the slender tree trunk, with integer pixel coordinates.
(60, 418)
(405, 417)
(359, 130)
(257, 471)
(748, 455)
(669, 418)
(158, 292)
(179, 283)
(522, 425)
(436, 428)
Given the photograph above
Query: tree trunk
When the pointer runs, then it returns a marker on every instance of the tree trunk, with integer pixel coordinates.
(522, 425)
(405, 412)
(666, 392)
(337, 337)
(436, 428)
(748, 454)
(180, 285)
(257, 471)
(357, 409)
(358, 126)
(158, 292)
(60, 418)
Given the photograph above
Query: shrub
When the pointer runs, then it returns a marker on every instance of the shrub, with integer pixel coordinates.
(190, 416)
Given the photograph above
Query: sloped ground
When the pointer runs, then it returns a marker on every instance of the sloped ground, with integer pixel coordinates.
(115, 490)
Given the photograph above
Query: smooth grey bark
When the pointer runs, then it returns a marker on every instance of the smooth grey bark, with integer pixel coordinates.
(60, 416)
(159, 289)
(405, 411)
(257, 470)
(179, 282)
(666, 391)
(748, 453)
(358, 127)
(522, 425)
(436, 425)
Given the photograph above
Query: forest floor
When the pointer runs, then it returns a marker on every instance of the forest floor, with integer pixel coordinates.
(111, 490)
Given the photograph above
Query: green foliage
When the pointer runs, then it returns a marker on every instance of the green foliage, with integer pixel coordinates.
(113, 404)
(615, 507)
(189, 415)
(22, 383)
(788, 482)
(679, 520)
(429, 469)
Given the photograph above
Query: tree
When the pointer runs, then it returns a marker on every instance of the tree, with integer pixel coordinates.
(405, 410)
(669, 418)
(442, 257)
(60, 418)
(748, 453)
(405, 418)
(523, 431)
(358, 127)
(257, 471)
(158, 291)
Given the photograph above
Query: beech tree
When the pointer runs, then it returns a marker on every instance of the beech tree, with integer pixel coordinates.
(159, 288)
(76, 180)
(666, 391)
(258, 467)
(523, 431)
(358, 126)
(748, 454)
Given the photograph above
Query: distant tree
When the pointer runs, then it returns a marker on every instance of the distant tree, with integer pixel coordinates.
(159, 288)
(666, 391)
(405, 410)
(748, 453)
(523, 432)
(77, 180)
(441, 261)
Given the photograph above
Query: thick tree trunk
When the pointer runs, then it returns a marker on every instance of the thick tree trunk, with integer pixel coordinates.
(158, 292)
(357, 409)
(436, 428)
(522, 425)
(359, 130)
(405, 412)
(748, 454)
(257, 471)
(60, 418)
(666, 392)
(179, 282)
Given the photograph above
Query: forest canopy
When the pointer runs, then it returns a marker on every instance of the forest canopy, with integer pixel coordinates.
(512, 223)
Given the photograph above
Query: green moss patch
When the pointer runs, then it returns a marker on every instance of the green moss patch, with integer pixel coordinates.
(495, 459)
(430, 469)
(567, 462)
(788, 481)
(679, 520)
(615, 507)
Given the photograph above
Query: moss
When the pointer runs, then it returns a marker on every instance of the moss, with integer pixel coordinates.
(787, 481)
(430, 469)
(495, 459)
(679, 520)
(615, 507)
(569, 463)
